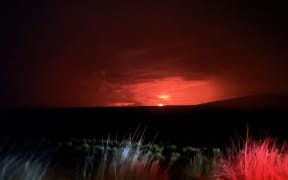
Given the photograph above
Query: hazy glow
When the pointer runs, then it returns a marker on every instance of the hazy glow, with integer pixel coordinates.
(123, 104)
(164, 97)
(172, 91)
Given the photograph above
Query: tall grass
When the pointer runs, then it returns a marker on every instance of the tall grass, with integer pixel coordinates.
(19, 167)
(263, 160)
(129, 161)
(199, 167)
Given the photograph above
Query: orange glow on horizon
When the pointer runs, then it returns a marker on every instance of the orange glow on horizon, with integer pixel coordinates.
(173, 90)
(123, 104)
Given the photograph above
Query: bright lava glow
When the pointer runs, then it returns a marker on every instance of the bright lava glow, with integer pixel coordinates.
(173, 90)
(160, 104)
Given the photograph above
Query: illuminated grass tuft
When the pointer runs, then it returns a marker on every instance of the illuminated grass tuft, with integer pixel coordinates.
(130, 160)
(255, 161)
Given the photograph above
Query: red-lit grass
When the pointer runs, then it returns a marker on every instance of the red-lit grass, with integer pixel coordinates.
(263, 160)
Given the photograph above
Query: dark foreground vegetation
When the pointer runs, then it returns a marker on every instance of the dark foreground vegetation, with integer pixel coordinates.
(145, 143)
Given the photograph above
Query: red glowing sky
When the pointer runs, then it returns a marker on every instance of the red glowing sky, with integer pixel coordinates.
(171, 91)
(144, 53)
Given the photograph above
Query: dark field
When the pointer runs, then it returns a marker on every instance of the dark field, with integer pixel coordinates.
(186, 140)
(171, 124)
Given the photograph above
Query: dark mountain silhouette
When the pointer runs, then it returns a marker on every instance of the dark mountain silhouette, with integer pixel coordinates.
(253, 102)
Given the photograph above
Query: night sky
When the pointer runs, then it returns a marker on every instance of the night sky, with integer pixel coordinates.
(140, 53)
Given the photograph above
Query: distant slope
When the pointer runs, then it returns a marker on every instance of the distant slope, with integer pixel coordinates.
(255, 102)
